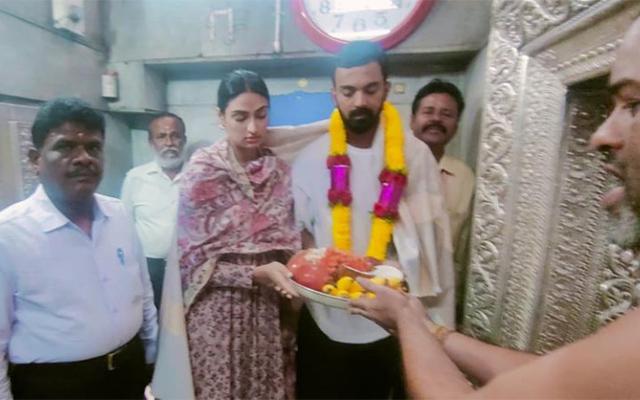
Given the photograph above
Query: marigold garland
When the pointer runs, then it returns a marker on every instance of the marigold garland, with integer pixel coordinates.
(393, 179)
(341, 216)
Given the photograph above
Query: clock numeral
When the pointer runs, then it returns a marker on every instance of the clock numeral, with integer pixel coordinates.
(325, 6)
(381, 20)
(339, 18)
(359, 25)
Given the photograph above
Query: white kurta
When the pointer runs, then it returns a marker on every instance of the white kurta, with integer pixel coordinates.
(311, 182)
(421, 236)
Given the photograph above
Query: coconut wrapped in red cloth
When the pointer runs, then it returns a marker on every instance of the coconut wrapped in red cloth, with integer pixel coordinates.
(314, 268)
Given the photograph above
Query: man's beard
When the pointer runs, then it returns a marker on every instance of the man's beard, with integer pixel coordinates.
(169, 162)
(625, 227)
(626, 215)
(360, 120)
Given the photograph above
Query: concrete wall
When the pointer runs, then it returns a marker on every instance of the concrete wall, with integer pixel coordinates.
(465, 144)
(39, 63)
(38, 12)
(162, 30)
(173, 40)
(160, 43)
(153, 42)
(118, 155)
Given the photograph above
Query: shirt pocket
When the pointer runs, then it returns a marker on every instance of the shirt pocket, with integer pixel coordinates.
(128, 277)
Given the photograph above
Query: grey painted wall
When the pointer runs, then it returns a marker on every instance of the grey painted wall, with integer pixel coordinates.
(162, 30)
(38, 12)
(38, 63)
(465, 144)
(173, 37)
(118, 157)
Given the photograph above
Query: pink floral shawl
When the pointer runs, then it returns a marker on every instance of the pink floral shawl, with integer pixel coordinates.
(226, 208)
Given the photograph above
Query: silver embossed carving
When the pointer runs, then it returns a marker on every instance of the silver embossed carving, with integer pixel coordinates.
(578, 240)
(537, 140)
(538, 275)
(523, 20)
(29, 177)
(494, 160)
(620, 289)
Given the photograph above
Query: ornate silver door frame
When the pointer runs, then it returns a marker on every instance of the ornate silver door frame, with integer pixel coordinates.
(17, 177)
(538, 247)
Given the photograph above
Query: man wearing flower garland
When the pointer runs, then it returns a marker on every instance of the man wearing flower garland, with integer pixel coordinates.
(369, 188)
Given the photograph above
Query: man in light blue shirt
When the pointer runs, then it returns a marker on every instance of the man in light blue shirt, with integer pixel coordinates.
(76, 304)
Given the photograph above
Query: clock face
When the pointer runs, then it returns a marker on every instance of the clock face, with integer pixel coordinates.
(331, 23)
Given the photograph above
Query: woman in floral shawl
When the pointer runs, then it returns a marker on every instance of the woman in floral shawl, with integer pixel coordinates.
(235, 231)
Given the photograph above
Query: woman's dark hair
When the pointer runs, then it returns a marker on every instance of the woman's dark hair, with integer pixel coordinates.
(237, 82)
(54, 113)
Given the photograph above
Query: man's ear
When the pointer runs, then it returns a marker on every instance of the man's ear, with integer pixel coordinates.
(333, 96)
(34, 158)
(387, 87)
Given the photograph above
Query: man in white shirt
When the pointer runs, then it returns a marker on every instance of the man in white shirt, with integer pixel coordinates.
(344, 356)
(77, 318)
(435, 113)
(150, 193)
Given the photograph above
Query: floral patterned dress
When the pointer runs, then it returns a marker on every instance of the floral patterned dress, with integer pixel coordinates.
(233, 218)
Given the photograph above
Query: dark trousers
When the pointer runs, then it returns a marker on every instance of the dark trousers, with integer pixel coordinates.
(89, 379)
(334, 370)
(156, 275)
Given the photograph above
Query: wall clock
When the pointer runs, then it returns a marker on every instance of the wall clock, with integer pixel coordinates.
(332, 23)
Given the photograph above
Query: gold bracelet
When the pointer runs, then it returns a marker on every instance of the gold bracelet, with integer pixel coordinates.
(440, 332)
